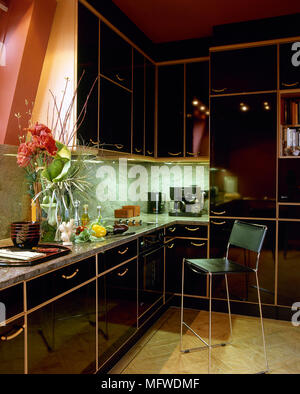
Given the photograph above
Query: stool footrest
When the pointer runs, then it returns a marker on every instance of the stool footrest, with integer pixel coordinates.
(202, 340)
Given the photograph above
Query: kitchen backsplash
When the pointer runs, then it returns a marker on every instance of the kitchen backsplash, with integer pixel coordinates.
(113, 183)
(14, 200)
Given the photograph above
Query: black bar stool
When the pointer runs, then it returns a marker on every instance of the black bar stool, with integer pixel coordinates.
(243, 235)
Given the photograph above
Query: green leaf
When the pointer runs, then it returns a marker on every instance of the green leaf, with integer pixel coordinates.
(63, 152)
(64, 172)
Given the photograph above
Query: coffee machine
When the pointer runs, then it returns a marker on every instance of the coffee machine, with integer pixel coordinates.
(186, 201)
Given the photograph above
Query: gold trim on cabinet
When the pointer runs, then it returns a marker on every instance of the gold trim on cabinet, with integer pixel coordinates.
(243, 93)
(116, 83)
(253, 44)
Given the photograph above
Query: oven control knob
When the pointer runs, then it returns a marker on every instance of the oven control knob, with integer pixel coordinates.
(133, 222)
(120, 221)
(126, 221)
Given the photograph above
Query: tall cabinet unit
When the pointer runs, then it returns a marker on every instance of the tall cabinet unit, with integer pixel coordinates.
(183, 110)
(289, 174)
(243, 149)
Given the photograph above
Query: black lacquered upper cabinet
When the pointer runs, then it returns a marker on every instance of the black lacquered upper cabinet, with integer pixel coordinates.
(115, 117)
(244, 70)
(170, 111)
(290, 65)
(138, 108)
(88, 42)
(197, 109)
(149, 107)
(243, 155)
(115, 57)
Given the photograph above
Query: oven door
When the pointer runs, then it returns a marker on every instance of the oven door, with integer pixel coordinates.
(150, 282)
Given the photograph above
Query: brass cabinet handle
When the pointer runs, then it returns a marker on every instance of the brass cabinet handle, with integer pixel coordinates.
(192, 229)
(71, 276)
(218, 90)
(218, 223)
(192, 154)
(149, 152)
(193, 243)
(123, 251)
(119, 146)
(138, 150)
(290, 84)
(12, 336)
(174, 154)
(123, 273)
(218, 213)
(119, 78)
(170, 246)
(172, 229)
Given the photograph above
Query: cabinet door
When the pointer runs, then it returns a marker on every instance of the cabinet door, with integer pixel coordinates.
(170, 111)
(117, 309)
(288, 180)
(115, 117)
(288, 290)
(62, 335)
(194, 284)
(290, 65)
(88, 43)
(243, 287)
(244, 70)
(115, 57)
(243, 156)
(12, 299)
(138, 128)
(12, 347)
(197, 109)
(149, 107)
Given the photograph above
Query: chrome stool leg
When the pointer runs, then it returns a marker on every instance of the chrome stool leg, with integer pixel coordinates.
(181, 311)
(261, 322)
(209, 327)
(229, 310)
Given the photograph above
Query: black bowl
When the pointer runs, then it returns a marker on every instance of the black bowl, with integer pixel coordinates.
(25, 242)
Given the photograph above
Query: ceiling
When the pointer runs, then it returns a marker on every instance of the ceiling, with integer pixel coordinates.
(174, 20)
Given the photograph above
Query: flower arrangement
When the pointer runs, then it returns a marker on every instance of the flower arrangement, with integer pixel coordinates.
(52, 175)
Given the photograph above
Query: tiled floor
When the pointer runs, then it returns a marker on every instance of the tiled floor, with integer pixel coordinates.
(158, 351)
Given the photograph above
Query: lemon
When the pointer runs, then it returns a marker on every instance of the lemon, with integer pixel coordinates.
(100, 231)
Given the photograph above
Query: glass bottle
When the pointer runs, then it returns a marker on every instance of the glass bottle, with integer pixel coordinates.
(76, 214)
(85, 219)
(99, 216)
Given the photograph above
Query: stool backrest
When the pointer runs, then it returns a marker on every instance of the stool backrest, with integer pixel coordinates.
(247, 235)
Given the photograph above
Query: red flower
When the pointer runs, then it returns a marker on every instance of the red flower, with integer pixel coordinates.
(39, 128)
(24, 156)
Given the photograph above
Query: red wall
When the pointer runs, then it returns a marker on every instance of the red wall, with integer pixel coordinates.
(28, 25)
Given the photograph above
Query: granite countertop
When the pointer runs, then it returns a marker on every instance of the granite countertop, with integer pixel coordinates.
(13, 275)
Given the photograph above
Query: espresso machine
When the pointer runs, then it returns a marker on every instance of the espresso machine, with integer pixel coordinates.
(186, 201)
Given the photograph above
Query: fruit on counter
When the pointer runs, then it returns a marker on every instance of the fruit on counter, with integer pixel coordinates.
(79, 229)
(120, 228)
(99, 230)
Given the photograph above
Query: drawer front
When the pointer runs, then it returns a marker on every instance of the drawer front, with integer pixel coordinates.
(12, 347)
(11, 302)
(116, 256)
(51, 285)
(187, 230)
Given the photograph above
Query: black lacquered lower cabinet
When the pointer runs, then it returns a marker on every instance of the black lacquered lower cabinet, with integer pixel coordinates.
(62, 334)
(194, 284)
(12, 347)
(117, 309)
(243, 287)
(288, 290)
